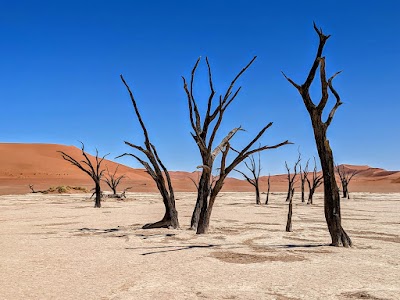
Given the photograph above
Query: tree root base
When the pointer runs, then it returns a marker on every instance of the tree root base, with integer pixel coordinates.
(160, 224)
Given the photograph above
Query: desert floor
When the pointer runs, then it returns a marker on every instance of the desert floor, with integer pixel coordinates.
(59, 247)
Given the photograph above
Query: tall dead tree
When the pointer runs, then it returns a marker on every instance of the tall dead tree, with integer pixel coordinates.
(345, 176)
(320, 127)
(255, 170)
(313, 183)
(112, 180)
(291, 178)
(158, 172)
(303, 179)
(204, 134)
(93, 169)
(290, 193)
(268, 188)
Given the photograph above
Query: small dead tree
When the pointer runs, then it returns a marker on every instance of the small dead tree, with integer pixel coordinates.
(35, 192)
(255, 170)
(289, 197)
(156, 170)
(204, 134)
(291, 178)
(320, 127)
(268, 189)
(289, 216)
(314, 183)
(93, 169)
(112, 180)
(303, 179)
(345, 176)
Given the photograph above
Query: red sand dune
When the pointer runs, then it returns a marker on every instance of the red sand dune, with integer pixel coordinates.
(42, 166)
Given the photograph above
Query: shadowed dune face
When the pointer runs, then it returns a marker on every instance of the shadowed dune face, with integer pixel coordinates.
(42, 166)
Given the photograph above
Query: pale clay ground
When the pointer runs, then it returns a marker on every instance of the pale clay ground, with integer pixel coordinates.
(59, 247)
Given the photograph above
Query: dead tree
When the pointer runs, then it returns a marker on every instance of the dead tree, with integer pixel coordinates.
(290, 211)
(268, 189)
(123, 194)
(320, 127)
(314, 183)
(35, 192)
(345, 178)
(291, 178)
(92, 169)
(196, 183)
(255, 170)
(303, 179)
(158, 172)
(204, 134)
(112, 180)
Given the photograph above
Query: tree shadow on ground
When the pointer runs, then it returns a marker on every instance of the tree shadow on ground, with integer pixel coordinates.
(175, 248)
(291, 246)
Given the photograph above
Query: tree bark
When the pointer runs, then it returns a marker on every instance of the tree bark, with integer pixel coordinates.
(331, 190)
(269, 186)
(97, 203)
(345, 189)
(289, 218)
(258, 201)
(202, 198)
(311, 195)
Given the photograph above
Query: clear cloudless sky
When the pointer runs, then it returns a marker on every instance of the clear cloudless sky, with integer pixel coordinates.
(60, 63)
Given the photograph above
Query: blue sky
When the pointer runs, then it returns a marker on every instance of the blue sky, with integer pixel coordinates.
(61, 60)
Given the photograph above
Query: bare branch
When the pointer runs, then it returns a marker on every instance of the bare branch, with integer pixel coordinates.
(224, 142)
(338, 102)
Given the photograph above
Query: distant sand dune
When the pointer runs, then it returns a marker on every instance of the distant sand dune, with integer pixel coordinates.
(42, 166)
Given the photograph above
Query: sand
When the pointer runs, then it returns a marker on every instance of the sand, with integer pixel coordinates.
(42, 166)
(59, 247)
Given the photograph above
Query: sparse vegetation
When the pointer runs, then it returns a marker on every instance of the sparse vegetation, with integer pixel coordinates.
(61, 189)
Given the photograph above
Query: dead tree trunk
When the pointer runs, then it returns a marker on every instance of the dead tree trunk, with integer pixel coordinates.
(94, 171)
(291, 178)
(205, 141)
(268, 189)
(345, 178)
(254, 180)
(303, 179)
(156, 169)
(331, 191)
(289, 217)
(314, 183)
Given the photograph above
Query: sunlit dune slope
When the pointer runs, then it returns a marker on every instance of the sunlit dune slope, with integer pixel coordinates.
(42, 166)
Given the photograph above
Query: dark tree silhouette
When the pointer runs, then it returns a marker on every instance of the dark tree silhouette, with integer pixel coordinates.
(35, 192)
(345, 176)
(303, 179)
(158, 172)
(313, 183)
(268, 189)
(289, 216)
(112, 180)
(291, 178)
(255, 170)
(204, 134)
(93, 170)
(320, 127)
(289, 197)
